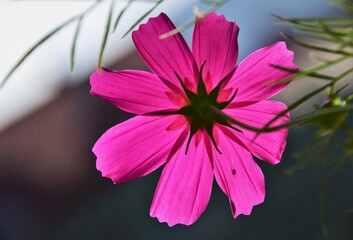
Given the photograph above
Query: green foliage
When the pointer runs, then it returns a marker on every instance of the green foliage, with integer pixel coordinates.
(332, 115)
(214, 5)
(43, 40)
(333, 142)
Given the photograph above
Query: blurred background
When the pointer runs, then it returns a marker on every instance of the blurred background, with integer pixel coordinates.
(49, 186)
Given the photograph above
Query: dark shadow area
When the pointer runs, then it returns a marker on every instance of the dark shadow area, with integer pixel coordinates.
(50, 189)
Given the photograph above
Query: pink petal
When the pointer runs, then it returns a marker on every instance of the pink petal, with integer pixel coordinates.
(185, 185)
(266, 146)
(238, 175)
(254, 77)
(136, 147)
(215, 43)
(133, 91)
(164, 57)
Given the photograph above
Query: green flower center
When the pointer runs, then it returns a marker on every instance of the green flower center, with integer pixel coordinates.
(199, 110)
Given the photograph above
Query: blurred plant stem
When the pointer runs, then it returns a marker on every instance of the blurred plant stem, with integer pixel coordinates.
(332, 145)
(214, 5)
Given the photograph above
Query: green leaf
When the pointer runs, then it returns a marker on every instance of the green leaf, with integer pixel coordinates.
(141, 18)
(74, 41)
(344, 4)
(316, 47)
(296, 104)
(42, 40)
(302, 73)
(323, 192)
(323, 112)
(121, 14)
(106, 33)
(312, 21)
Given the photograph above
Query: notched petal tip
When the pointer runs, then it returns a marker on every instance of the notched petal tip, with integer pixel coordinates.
(215, 40)
(172, 223)
(103, 172)
(100, 165)
(151, 21)
(282, 45)
(220, 18)
(214, 15)
(248, 212)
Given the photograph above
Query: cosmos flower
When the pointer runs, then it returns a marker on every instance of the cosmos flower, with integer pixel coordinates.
(178, 124)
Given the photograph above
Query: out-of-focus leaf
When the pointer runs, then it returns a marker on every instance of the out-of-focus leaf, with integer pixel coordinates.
(121, 14)
(106, 33)
(42, 40)
(316, 47)
(317, 151)
(310, 21)
(344, 4)
(305, 118)
(323, 192)
(141, 18)
(297, 103)
(74, 41)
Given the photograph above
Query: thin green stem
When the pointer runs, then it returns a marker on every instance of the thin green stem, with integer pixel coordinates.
(106, 33)
(316, 47)
(42, 40)
(323, 193)
(301, 119)
(297, 104)
(121, 14)
(300, 74)
(343, 75)
(141, 18)
(74, 41)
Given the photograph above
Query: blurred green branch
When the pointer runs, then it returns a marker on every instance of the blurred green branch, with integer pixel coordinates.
(214, 5)
(333, 36)
(44, 39)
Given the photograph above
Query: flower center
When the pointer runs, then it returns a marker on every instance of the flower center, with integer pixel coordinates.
(199, 110)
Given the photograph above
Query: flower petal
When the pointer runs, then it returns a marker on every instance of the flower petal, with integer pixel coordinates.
(266, 146)
(165, 57)
(134, 91)
(215, 43)
(136, 147)
(185, 185)
(255, 77)
(238, 175)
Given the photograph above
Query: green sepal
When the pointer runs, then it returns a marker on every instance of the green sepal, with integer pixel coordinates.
(224, 122)
(194, 126)
(201, 88)
(209, 129)
(215, 92)
(226, 103)
(191, 95)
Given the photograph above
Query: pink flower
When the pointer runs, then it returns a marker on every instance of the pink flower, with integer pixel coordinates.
(176, 125)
